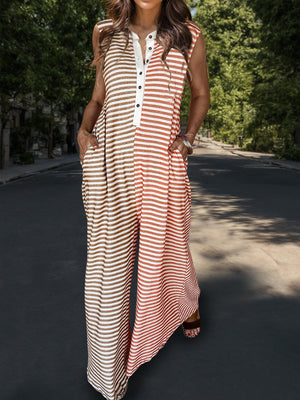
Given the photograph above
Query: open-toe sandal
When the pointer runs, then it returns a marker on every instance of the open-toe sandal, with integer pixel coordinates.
(191, 325)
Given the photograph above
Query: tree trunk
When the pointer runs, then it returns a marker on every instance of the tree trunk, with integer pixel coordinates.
(2, 153)
(1, 146)
(50, 136)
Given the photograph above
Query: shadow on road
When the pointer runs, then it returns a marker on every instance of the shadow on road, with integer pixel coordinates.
(263, 200)
(248, 347)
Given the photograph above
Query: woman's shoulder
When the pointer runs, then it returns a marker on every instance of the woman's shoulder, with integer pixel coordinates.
(195, 31)
(104, 23)
(193, 27)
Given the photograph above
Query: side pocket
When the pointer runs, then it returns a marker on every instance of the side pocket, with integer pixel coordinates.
(183, 162)
(90, 149)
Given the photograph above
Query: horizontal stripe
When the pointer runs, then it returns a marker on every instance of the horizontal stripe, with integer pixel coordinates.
(130, 183)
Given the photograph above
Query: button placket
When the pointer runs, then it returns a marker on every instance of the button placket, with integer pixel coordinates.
(141, 69)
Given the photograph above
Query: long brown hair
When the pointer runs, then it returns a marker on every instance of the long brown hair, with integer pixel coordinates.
(172, 32)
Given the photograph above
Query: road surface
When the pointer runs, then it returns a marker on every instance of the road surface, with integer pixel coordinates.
(245, 244)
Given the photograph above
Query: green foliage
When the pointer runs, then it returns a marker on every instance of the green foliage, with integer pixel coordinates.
(230, 31)
(253, 58)
(46, 48)
(45, 53)
(26, 158)
(21, 138)
(291, 153)
(275, 94)
(185, 103)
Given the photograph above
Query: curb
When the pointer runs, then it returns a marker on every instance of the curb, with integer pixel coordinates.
(267, 160)
(30, 173)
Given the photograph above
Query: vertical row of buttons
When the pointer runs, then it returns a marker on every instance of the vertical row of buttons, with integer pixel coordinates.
(141, 69)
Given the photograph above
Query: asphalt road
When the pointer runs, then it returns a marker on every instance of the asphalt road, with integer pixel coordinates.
(248, 347)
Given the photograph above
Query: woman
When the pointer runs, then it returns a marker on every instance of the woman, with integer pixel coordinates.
(135, 184)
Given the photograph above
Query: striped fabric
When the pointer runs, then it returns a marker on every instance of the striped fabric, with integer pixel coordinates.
(133, 185)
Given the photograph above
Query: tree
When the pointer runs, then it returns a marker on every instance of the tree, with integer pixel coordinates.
(45, 54)
(18, 33)
(231, 34)
(65, 79)
(277, 85)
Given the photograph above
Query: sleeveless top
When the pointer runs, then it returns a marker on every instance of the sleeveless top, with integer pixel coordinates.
(132, 178)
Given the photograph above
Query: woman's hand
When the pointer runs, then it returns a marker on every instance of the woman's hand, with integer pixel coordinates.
(178, 144)
(86, 140)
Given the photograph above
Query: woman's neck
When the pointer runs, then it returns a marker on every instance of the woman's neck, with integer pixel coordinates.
(146, 19)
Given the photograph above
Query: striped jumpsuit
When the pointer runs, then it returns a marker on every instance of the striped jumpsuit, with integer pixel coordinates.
(132, 185)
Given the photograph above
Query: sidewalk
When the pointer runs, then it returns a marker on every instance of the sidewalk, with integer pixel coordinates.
(20, 171)
(267, 158)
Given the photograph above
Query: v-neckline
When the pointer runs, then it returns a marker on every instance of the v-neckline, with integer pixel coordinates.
(135, 37)
(138, 36)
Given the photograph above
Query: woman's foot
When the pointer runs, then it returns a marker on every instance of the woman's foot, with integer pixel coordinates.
(195, 331)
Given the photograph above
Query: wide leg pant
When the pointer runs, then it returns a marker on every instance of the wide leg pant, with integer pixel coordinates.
(120, 204)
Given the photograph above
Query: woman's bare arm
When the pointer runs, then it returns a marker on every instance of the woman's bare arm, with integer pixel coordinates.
(200, 94)
(84, 137)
